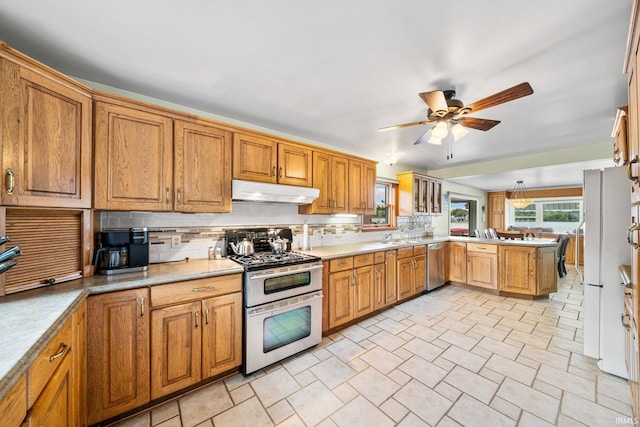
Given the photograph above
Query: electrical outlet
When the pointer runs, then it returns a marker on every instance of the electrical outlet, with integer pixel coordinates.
(176, 240)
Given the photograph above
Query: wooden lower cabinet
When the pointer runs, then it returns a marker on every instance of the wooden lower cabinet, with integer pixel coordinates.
(482, 265)
(385, 289)
(54, 406)
(528, 270)
(13, 408)
(117, 353)
(198, 339)
(457, 271)
(351, 289)
(411, 271)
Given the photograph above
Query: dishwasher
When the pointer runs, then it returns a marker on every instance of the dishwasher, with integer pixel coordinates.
(436, 270)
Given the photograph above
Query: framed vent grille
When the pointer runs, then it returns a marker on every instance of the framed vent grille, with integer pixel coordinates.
(51, 242)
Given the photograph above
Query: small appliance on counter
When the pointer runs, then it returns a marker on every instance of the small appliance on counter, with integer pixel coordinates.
(122, 251)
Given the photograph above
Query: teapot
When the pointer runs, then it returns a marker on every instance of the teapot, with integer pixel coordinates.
(242, 248)
(278, 245)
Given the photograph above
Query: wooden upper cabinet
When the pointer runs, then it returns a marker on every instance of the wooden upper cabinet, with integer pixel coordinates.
(496, 210)
(620, 142)
(45, 121)
(257, 158)
(202, 160)
(419, 194)
(133, 159)
(362, 183)
(331, 177)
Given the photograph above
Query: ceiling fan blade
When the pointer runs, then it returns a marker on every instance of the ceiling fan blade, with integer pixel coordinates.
(478, 124)
(405, 125)
(436, 101)
(518, 91)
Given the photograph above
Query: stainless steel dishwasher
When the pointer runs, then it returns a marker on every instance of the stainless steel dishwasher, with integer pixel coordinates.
(436, 270)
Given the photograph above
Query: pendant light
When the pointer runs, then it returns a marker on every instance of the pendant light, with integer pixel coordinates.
(518, 198)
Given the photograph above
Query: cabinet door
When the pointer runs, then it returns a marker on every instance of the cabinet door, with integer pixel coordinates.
(369, 188)
(221, 334)
(435, 196)
(457, 262)
(405, 278)
(79, 404)
(546, 271)
(496, 211)
(295, 165)
(518, 269)
(340, 297)
(482, 269)
(321, 181)
(364, 291)
(379, 288)
(54, 406)
(46, 139)
(133, 159)
(339, 184)
(175, 348)
(254, 158)
(117, 353)
(390, 266)
(634, 126)
(419, 274)
(202, 162)
(356, 202)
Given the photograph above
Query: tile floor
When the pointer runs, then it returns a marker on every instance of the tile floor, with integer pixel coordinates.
(454, 357)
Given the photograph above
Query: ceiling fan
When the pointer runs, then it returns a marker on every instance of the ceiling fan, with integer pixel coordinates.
(450, 115)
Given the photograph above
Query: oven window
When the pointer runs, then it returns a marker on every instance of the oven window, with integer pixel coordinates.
(282, 283)
(285, 328)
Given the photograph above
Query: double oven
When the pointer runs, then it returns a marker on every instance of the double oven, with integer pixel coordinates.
(282, 295)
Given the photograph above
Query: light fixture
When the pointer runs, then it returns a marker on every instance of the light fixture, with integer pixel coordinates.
(518, 198)
(435, 141)
(458, 131)
(440, 130)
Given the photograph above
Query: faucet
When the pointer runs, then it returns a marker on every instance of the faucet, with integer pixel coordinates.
(387, 237)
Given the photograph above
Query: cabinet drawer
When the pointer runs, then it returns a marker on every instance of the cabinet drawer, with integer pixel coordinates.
(405, 252)
(482, 247)
(13, 409)
(48, 360)
(364, 259)
(340, 264)
(195, 289)
(379, 257)
(420, 250)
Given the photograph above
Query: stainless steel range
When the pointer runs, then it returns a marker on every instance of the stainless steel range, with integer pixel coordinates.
(282, 295)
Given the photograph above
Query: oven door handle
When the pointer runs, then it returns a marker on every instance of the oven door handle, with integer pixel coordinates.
(280, 273)
(288, 304)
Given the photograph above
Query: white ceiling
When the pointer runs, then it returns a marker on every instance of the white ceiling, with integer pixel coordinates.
(335, 72)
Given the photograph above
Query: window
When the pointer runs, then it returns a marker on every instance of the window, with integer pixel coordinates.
(557, 215)
(384, 216)
(462, 215)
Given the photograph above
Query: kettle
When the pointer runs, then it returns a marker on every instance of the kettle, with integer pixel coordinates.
(278, 245)
(242, 248)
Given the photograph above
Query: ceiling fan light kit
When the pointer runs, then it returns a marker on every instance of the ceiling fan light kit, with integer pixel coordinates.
(518, 198)
(450, 115)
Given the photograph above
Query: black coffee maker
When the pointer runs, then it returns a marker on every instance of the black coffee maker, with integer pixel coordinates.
(122, 251)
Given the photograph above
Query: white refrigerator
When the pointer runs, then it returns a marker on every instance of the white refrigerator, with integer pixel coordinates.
(607, 215)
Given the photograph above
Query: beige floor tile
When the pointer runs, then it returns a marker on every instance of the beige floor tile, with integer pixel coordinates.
(295, 421)
(423, 332)
(488, 331)
(171, 422)
(545, 356)
(394, 410)
(506, 408)
(345, 392)
(472, 384)
(274, 386)
(203, 404)
(424, 371)
(142, 420)
(360, 412)
(305, 377)
(424, 349)
(547, 388)
(511, 369)
(280, 411)
(164, 412)
(391, 326)
(469, 360)
(241, 394)
(529, 420)
(613, 387)
(531, 339)
(345, 349)
(356, 333)
(554, 331)
(455, 325)
(333, 372)
(247, 414)
(568, 382)
(529, 399)
(613, 404)
(498, 347)
(492, 375)
(300, 362)
(414, 395)
(470, 412)
(373, 385)
(314, 403)
(387, 340)
(459, 339)
(588, 412)
(381, 359)
(411, 420)
(515, 324)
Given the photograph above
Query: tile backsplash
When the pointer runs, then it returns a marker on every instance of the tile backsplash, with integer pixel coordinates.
(176, 236)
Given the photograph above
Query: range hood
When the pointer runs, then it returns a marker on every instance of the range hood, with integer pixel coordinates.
(275, 193)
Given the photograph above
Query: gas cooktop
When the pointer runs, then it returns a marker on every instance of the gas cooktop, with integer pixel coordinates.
(263, 260)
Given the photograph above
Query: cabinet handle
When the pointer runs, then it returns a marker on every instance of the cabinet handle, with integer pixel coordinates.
(206, 316)
(197, 314)
(273, 171)
(203, 288)
(624, 319)
(280, 171)
(355, 276)
(10, 181)
(630, 169)
(166, 195)
(61, 352)
(179, 197)
(142, 307)
(634, 227)
(342, 264)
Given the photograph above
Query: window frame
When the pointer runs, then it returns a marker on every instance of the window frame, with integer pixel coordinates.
(539, 217)
(392, 191)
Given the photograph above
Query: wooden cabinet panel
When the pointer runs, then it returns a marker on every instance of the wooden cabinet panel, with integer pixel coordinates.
(411, 274)
(379, 288)
(79, 403)
(390, 265)
(482, 269)
(202, 161)
(457, 262)
(175, 348)
(295, 165)
(363, 300)
(496, 210)
(190, 290)
(254, 158)
(546, 265)
(13, 408)
(340, 297)
(117, 353)
(331, 177)
(54, 406)
(362, 182)
(221, 334)
(420, 274)
(518, 272)
(46, 136)
(419, 194)
(405, 278)
(133, 159)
